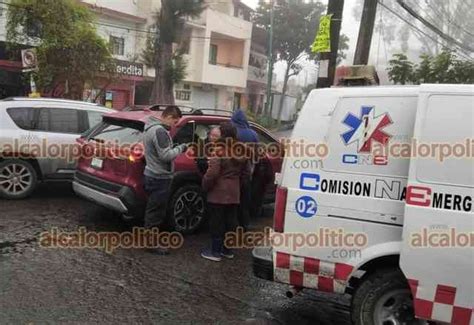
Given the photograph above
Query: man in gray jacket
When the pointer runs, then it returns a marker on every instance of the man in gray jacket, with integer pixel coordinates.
(159, 155)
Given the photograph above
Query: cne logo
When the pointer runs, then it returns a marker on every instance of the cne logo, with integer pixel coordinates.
(366, 129)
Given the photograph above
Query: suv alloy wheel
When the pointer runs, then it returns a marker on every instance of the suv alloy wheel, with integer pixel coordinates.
(187, 209)
(18, 179)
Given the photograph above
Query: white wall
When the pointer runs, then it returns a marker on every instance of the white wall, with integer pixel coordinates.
(130, 36)
(126, 6)
(3, 22)
(199, 69)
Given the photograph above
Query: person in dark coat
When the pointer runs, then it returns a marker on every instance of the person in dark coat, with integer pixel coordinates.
(248, 136)
(222, 183)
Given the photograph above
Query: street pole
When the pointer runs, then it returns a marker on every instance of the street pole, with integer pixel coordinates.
(366, 29)
(335, 7)
(268, 104)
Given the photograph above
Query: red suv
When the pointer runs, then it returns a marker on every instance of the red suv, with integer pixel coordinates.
(116, 181)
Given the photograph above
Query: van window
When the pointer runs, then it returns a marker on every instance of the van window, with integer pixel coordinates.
(359, 126)
(449, 120)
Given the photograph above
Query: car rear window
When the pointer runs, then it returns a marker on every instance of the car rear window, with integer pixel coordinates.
(119, 132)
(23, 117)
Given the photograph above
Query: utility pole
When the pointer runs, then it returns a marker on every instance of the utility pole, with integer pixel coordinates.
(366, 29)
(335, 7)
(268, 104)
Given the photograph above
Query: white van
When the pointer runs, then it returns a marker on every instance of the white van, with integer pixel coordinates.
(387, 215)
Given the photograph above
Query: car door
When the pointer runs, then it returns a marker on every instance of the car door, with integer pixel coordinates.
(273, 159)
(192, 132)
(56, 129)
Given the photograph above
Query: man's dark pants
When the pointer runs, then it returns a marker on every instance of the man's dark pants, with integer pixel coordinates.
(158, 194)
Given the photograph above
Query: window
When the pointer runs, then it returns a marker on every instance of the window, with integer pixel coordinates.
(183, 92)
(213, 54)
(117, 45)
(123, 133)
(93, 118)
(262, 136)
(59, 120)
(193, 132)
(23, 117)
(447, 126)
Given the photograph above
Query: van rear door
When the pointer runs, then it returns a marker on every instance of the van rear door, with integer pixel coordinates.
(437, 254)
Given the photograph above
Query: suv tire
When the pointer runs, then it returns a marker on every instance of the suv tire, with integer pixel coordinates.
(18, 179)
(383, 298)
(187, 209)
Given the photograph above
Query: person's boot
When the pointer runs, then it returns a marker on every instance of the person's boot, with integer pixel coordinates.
(227, 253)
(214, 252)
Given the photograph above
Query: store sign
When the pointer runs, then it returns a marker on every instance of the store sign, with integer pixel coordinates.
(126, 68)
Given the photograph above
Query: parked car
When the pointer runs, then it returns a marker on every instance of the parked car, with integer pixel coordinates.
(37, 139)
(116, 182)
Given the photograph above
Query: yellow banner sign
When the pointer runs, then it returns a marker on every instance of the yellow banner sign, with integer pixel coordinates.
(322, 41)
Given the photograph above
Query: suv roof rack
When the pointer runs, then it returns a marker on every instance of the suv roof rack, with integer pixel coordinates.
(199, 111)
(47, 99)
(189, 110)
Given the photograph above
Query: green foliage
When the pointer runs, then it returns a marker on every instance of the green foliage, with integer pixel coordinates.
(148, 55)
(295, 24)
(176, 68)
(294, 27)
(442, 68)
(342, 47)
(70, 53)
(400, 70)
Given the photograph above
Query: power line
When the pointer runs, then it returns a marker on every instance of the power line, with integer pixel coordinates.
(448, 18)
(416, 28)
(433, 27)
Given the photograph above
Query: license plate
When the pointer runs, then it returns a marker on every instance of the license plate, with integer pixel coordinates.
(97, 163)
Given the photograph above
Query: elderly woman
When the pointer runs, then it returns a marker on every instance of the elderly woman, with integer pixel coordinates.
(222, 183)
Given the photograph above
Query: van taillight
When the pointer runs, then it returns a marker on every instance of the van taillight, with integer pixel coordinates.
(280, 208)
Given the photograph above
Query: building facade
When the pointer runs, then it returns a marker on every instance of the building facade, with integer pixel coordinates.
(226, 61)
(124, 25)
(258, 72)
(218, 57)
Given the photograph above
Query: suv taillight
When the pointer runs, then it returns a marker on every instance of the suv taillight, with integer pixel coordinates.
(280, 208)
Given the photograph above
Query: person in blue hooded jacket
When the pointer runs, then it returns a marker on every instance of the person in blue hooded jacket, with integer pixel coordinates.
(245, 135)
(244, 132)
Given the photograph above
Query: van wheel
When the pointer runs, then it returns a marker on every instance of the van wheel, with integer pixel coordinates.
(18, 179)
(187, 209)
(383, 298)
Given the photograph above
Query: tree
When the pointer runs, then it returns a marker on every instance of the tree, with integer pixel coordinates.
(295, 22)
(169, 65)
(453, 17)
(343, 46)
(442, 68)
(70, 53)
(400, 70)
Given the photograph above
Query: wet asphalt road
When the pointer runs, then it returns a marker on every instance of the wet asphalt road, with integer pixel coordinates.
(89, 286)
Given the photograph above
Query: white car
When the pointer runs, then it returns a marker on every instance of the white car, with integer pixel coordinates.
(38, 141)
(393, 228)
